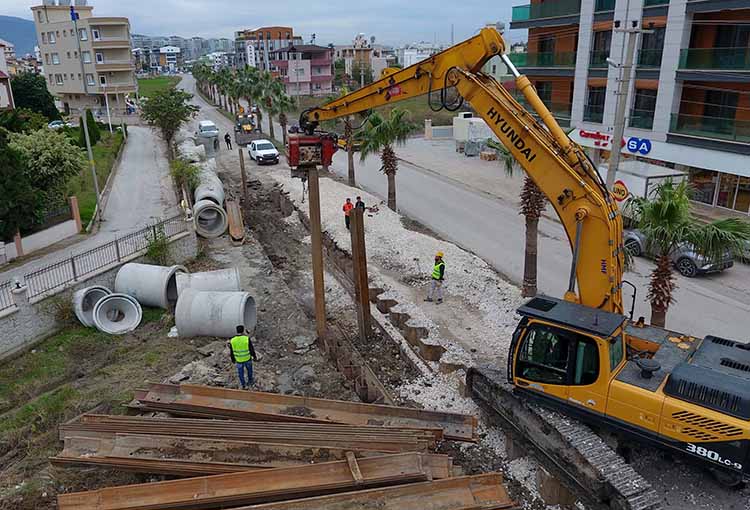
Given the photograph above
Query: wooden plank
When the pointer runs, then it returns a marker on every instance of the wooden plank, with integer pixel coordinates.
(255, 405)
(236, 225)
(354, 468)
(251, 487)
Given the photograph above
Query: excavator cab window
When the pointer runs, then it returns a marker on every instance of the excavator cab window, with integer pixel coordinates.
(555, 356)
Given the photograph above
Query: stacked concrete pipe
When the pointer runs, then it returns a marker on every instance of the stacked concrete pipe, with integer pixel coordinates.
(117, 314)
(154, 286)
(223, 280)
(201, 313)
(209, 216)
(85, 300)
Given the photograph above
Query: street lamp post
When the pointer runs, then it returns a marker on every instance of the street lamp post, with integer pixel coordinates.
(106, 102)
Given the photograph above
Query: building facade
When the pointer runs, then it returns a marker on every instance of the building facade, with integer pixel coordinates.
(305, 69)
(6, 93)
(688, 107)
(257, 45)
(170, 59)
(84, 60)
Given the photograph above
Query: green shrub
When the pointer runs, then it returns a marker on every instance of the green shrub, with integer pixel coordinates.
(157, 250)
(185, 174)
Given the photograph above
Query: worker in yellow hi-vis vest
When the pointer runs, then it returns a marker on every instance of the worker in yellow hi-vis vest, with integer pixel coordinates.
(242, 352)
(438, 276)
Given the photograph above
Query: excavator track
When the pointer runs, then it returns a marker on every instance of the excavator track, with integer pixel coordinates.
(572, 447)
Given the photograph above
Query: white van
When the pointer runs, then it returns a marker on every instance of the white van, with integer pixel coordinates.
(207, 128)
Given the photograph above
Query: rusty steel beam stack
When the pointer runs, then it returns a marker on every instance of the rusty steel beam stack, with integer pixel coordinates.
(206, 401)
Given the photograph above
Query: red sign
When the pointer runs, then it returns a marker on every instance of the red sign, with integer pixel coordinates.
(394, 91)
(600, 139)
(620, 191)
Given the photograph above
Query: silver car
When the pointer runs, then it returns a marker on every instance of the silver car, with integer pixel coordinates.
(685, 257)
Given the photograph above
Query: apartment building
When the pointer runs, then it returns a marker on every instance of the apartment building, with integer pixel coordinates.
(688, 108)
(6, 94)
(305, 69)
(86, 58)
(364, 54)
(253, 47)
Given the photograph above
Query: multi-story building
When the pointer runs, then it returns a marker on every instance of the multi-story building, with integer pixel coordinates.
(6, 93)
(263, 41)
(305, 69)
(688, 107)
(364, 55)
(416, 52)
(87, 59)
(9, 50)
(170, 59)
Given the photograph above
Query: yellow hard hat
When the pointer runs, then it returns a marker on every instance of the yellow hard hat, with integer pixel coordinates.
(439, 254)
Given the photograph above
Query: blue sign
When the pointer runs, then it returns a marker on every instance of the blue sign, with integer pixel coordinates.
(641, 145)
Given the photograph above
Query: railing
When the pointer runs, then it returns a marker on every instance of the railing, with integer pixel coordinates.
(604, 5)
(711, 127)
(733, 59)
(599, 58)
(83, 264)
(6, 297)
(52, 217)
(593, 113)
(546, 10)
(110, 61)
(651, 3)
(642, 119)
(650, 58)
(546, 59)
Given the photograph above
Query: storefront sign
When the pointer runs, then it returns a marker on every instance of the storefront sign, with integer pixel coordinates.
(601, 140)
(620, 191)
(639, 145)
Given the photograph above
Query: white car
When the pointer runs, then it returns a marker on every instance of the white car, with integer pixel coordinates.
(263, 151)
(58, 124)
(207, 129)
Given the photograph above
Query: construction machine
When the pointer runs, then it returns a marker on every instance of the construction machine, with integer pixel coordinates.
(581, 354)
(245, 127)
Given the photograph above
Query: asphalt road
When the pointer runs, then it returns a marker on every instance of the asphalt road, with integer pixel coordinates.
(141, 194)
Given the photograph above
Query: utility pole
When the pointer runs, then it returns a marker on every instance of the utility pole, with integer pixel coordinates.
(623, 91)
(91, 162)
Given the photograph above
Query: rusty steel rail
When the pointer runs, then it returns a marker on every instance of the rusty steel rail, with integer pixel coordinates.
(181, 456)
(480, 492)
(255, 405)
(252, 487)
(365, 438)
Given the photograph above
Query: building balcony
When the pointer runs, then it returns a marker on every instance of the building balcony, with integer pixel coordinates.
(732, 130)
(111, 42)
(728, 59)
(113, 66)
(546, 10)
(604, 5)
(598, 59)
(641, 119)
(561, 59)
(593, 113)
(321, 78)
(96, 21)
(650, 58)
(321, 61)
(651, 3)
(560, 111)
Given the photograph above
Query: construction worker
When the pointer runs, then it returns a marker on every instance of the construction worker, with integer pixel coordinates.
(228, 141)
(242, 352)
(438, 275)
(348, 206)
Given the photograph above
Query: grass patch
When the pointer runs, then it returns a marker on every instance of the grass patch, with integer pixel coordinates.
(149, 86)
(152, 314)
(105, 153)
(39, 414)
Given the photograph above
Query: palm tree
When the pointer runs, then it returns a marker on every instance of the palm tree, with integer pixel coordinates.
(285, 104)
(532, 204)
(665, 219)
(224, 81)
(380, 135)
(266, 89)
(247, 86)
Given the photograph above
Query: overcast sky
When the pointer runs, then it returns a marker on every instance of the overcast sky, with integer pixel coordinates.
(338, 21)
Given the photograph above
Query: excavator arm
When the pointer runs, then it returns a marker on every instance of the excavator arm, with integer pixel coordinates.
(556, 164)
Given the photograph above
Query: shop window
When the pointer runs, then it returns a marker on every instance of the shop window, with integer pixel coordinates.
(742, 201)
(544, 91)
(644, 105)
(727, 191)
(554, 356)
(704, 184)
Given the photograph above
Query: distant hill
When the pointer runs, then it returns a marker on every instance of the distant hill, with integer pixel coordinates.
(20, 32)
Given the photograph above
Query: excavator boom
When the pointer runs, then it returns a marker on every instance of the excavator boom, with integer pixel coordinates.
(556, 164)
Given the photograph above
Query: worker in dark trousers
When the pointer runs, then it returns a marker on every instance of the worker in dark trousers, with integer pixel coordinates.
(228, 140)
(359, 204)
(438, 276)
(348, 206)
(242, 352)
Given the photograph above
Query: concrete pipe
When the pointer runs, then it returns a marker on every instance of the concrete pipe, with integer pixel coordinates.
(201, 313)
(84, 301)
(151, 285)
(117, 314)
(210, 187)
(210, 219)
(223, 280)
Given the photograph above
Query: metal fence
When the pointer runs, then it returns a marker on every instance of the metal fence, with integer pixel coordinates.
(6, 298)
(83, 264)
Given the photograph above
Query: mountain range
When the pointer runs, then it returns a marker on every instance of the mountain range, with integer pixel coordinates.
(20, 32)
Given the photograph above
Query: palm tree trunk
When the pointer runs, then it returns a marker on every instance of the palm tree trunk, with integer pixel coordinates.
(392, 191)
(529, 288)
(348, 133)
(270, 126)
(390, 166)
(660, 290)
(260, 121)
(283, 133)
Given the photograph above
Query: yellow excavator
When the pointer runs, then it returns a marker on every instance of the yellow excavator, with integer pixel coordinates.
(581, 355)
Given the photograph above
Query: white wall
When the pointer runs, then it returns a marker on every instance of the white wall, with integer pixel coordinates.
(42, 239)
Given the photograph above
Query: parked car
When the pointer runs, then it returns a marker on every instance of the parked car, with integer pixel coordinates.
(59, 124)
(206, 129)
(263, 151)
(685, 257)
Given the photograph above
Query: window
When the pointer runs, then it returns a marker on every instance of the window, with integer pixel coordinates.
(90, 79)
(50, 79)
(616, 350)
(494, 68)
(44, 37)
(544, 91)
(553, 356)
(46, 58)
(95, 34)
(79, 76)
(644, 105)
(652, 46)
(603, 40)
(72, 34)
(99, 58)
(86, 57)
(65, 33)
(83, 34)
(594, 109)
(75, 54)
(39, 16)
(704, 184)
(55, 58)
(102, 80)
(68, 54)
(58, 79)
(52, 38)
